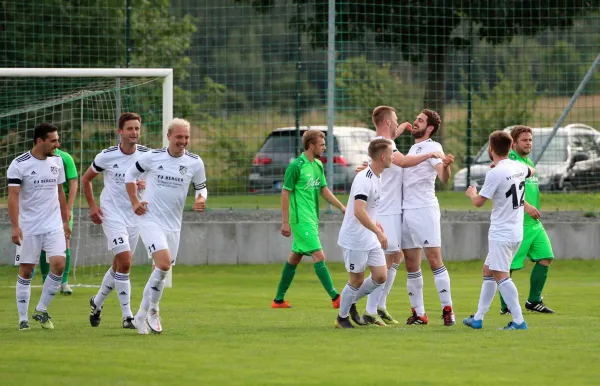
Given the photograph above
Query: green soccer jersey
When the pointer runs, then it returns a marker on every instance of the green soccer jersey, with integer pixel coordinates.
(304, 180)
(532, 188)
(70, 169)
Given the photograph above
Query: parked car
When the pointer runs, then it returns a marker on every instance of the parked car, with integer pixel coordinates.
(571, 161)
(279, 149)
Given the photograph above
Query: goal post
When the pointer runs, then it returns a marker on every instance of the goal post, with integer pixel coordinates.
(84, 103)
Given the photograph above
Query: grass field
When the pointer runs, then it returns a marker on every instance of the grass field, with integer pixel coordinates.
(219, 329)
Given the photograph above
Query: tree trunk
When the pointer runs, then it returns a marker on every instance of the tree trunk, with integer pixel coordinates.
(435, 87)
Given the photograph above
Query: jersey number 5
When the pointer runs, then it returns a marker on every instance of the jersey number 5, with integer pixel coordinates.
(513, 192)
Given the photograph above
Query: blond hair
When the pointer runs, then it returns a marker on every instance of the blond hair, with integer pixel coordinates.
(381, 113)
(378, 146)
(311, 136)
(178, 122)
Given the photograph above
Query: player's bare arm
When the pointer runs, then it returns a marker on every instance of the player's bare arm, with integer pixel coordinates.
(443, 170)
(401, 128)
(332, 199)
(531, 211)
(476, 199)
(86, 185)
(285, 213)
(139, 207)
(13, 213)
(73, 188)
(62, 199)
(407, 161)
(199, 204)
(360, 212)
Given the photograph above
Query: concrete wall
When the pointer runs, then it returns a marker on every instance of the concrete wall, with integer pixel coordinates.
(261, 242)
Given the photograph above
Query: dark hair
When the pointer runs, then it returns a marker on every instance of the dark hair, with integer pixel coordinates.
(516, 131)
(500, 143)
(433, 119)
(377, 146)
(42, 130)
(310, 137)
(128, 117)
(381, 113)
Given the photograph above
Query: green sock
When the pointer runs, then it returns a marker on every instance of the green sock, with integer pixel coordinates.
(539, 273)
(325, 278)
(65, 278)
(44, 266)
(289, 270)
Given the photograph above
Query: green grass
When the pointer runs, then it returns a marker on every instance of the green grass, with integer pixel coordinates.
(219, 329)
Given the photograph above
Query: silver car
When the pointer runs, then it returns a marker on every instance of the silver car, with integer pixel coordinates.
(279, 149)
(571, 161)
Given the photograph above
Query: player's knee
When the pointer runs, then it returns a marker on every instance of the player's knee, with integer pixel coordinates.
(295, 258)
(123, 266)
(545, 262)
(26, 270)
(379, 277)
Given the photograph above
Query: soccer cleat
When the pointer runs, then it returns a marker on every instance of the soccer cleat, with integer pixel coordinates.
(343, 322)
(538, 307)
(373, 319)
(416, 319)
(355, 316)
(336, 301)
(448, 316)
(386, 317)
(280, 304)
(513, 326)
(23, 325)
(504, 311)
(95, 313)
(153, 321)
(472, 322)
(140, 325)
(128, 323)
(65, 289)
(43, 318)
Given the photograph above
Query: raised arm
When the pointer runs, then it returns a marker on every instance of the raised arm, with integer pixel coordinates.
(407, 161)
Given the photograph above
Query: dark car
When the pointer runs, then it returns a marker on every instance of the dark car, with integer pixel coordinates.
(279, 149)
(571, 161)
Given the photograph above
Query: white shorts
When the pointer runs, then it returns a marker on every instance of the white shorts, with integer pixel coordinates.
(120, 238)
(392, 227)
(155, 239)
(501, 254)
(421, 228)
(357, 261)
(53, 243)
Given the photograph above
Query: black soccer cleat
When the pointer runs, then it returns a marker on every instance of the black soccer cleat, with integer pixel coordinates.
(95, 314)
(356, 318)
(504, 311)
(538, 307)
(343, 322)
(128, 323)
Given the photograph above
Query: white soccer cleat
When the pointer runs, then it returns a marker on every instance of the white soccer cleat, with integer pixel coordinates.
(153, 321)
(140, 325)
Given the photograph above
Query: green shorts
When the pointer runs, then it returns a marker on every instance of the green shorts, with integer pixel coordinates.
(306, 238)
(536, 245)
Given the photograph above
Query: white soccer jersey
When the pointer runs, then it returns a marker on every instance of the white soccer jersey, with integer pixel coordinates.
(391, 187)
(353, 235)
(167, 184)
(419, 181)
(39, 209)
(114, 200)
(505, 186)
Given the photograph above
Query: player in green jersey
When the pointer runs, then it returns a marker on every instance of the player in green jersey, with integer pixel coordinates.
(536, 244)
(70, 189)
(303, 183)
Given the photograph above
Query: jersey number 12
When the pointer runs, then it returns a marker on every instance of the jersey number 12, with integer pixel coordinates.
(512, 192)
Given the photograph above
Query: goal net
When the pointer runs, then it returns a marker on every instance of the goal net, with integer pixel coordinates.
(85, 104)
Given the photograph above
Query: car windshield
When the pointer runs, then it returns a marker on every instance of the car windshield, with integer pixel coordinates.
(555, 153)
(286, 142)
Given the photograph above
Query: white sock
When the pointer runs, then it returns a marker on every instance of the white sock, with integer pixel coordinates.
(123, 287)
(442, 283)
(414, 286)
(391, 276)
(368, 286)
(511, 296)
(23, 296)
(348, 295)
(156, 286)
(488, 291)
(373, 300)
(108, 284)
(49, 289)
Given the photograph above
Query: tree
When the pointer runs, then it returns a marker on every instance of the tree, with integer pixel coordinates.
(427, 30)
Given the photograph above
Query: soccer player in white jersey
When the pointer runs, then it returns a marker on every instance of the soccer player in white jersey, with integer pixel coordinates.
(505, 186)
(390, 212)
(37, 208)
(421, 220)
(361, 236)
(169, 172)
(118, 221)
